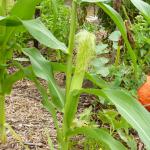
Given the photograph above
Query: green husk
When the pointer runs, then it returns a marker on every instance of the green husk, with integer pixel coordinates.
(85, 52)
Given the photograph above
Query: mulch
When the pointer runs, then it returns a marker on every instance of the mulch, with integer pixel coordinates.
(28, 118)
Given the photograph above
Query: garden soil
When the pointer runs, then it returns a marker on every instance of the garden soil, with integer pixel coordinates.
(28, 118)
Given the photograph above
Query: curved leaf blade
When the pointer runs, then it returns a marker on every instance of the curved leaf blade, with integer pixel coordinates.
(120, 24)
(132, 111)
(100, 135)
(129, 108)
(38, 30)
(1, 18)
(143, 7)
(43, 70)
(135, 114)
(24, 9)
(9, 21)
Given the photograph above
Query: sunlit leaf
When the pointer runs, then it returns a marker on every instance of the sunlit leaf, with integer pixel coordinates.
(43, 70)
(100, 135)
(143, 7)
(24, 9)
(115, 36)
(38, 30)
(134, 113)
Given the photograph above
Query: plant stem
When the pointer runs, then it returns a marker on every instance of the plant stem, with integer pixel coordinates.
(117, 56)
(3, 137)
(71, 46)
(65, 143)
(2, 119)
(125, 13)
(3, 61)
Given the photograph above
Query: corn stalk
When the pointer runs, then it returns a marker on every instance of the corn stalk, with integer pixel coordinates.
(2, 118)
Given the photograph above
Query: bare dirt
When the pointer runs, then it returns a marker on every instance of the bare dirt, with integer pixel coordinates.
(28, 118)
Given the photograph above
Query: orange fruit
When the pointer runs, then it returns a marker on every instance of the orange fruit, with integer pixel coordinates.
(144, 94)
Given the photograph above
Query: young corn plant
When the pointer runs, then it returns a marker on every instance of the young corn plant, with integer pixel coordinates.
(67, 102)
(16, 16)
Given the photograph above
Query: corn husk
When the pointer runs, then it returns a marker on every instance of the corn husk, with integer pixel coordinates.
(85, 52)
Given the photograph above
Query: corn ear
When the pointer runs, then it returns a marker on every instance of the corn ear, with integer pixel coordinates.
(9, 5)
(6, 6)
(85, 52)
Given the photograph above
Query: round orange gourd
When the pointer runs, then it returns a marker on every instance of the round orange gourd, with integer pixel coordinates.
(144, 94)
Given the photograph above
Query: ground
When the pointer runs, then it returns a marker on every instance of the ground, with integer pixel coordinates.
(28, 118)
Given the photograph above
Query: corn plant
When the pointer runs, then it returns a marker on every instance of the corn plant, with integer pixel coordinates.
(67, 102)
(13, 19)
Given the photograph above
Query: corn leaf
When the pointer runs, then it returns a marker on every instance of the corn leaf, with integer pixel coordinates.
(135, 114)
(97, 80)
(13, 78)
(1, 18)
(48, 105)
(9, 21)
(38, 30)
(132, 111)
(43, 70)
(100, 135)
(143, 7)
(24, 9)
(120, 24)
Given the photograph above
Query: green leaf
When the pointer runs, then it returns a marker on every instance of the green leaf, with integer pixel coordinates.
(1, 18)
(58, 67)
(143, 7)
(38, 30)
(120, 24)
(98, 81)
(24, 9)
(99, 135)
(114, 36)
(28, 72)
(43, 70)
(136, 115)
(10, 80)
(99, 66)
(132, 111)
(48, 105)
(101, 49)
(111, 117)
(98, 62)
(9, 21)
